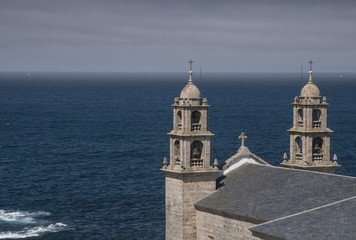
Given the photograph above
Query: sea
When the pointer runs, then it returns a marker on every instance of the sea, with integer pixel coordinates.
(80, 153)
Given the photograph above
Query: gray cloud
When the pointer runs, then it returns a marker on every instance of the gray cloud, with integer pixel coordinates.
(162, 35)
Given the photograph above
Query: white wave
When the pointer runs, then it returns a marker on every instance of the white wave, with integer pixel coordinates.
(33, 232)
(21, 216)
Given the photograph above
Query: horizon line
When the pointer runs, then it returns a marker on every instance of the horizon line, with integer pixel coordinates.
(306, 72)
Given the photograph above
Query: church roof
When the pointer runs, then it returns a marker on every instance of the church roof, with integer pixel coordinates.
(260, 193)
(333, 221)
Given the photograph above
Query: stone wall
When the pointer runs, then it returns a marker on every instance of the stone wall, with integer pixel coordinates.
(210, 226)
(182, 191)
(174, 209)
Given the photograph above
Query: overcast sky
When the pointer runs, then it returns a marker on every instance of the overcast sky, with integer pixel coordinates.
(141, 36)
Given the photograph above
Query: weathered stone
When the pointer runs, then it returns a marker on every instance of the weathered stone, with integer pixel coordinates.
(189, 175)
(310, 136)
(220, 227)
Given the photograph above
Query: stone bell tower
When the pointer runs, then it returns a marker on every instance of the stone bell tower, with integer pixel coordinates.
(189, 175)
(310, 136)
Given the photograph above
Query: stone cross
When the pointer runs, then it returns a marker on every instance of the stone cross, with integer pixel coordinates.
(242, 137)
(190, 63)
(311, 62)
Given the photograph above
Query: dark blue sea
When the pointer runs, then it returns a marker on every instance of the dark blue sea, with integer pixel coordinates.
(80, 153)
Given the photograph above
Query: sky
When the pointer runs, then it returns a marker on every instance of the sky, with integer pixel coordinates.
(162, 36)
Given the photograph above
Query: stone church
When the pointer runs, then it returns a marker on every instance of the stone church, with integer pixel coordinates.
(247, 198)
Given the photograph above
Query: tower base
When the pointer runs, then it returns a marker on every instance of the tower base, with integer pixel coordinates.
(183, 189)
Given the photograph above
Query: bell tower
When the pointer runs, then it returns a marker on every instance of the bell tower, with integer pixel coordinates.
(310, 136)
(189, 175)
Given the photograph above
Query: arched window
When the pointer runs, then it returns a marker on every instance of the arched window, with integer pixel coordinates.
(300, 114)
(317, 145)
(300, 117)
(179, 120)
(316, 118)
(177, 152)
(196, 121)
(197, 149)
(298, 145)
(316, 114)
(318, 149)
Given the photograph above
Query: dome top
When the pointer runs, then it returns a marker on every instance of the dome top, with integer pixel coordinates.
(190, 90)
(310, 89)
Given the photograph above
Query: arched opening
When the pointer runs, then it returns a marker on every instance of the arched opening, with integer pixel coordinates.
(177, 152)
(179, 120)
(316, 118)
(300, 117)
(196, 121)
(316, 114)
(317, 149)
(298, 148)
(300, 114)
(196, 154)
(299, 145)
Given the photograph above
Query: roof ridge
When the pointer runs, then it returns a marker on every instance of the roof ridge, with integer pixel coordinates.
(306, 211)
(308, 171)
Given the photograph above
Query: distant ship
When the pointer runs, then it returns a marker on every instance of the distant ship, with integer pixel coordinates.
(28, 74)
(340, 75)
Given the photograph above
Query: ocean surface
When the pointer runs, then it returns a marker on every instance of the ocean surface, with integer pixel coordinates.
(80, 153)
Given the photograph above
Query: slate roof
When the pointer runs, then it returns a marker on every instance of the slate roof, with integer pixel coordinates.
(333, 221)
(260, 193)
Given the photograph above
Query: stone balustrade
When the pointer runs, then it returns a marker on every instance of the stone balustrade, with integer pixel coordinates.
(300, 123)
(196, 162)
(196, 127)
(316, 124)
(317, 157)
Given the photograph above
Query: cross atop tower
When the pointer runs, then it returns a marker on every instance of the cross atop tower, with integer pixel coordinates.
(242, 137)
(310, 63)
(190, 63)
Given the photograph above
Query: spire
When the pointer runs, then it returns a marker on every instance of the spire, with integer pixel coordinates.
(310, 76)
(310, 71)
(190, 72)
(190, 78)
(190, 63)
(310, 89)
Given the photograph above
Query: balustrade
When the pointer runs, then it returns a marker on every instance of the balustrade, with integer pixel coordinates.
(298, 156)
(196, 127)
(196, 162)
(317, 157)
(316, 124)
(300, 123)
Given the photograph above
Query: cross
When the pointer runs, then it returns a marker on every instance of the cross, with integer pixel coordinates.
(242, 137)
(190, 62)
(311, 62)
